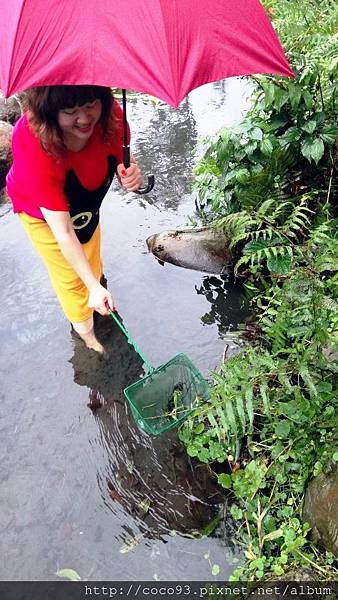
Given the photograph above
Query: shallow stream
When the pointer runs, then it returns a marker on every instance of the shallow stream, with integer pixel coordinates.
(89, 491)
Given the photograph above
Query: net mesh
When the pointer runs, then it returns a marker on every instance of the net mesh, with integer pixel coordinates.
(164, 398)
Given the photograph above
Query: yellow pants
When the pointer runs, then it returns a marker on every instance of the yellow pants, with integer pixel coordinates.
(70, 289)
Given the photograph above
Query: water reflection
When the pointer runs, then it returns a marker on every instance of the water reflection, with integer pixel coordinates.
(228, 307)
(165, 143)
(149, 482)
(176, 131)
(94, 481)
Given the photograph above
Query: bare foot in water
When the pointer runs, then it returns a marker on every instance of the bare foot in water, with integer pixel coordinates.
(85, 329)
(96, 346)
(92, 342)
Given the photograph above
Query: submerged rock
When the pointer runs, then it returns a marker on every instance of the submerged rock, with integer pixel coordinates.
(201, 249)
(321, 509)
(5, 150)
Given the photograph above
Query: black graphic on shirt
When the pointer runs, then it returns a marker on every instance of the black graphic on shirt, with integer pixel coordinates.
(84, 205)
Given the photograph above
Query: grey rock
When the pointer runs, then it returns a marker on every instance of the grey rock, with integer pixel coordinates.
(4, 199)
(201, 249)
(5, 150)
(10, 109)
(321, 509)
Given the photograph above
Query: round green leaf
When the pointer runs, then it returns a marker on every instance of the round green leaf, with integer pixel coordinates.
(256, 133)
(224, 480)
(309, 126)
(199, 428)
(192, 450)
(278, 570)
(236, 512)
(282, 429)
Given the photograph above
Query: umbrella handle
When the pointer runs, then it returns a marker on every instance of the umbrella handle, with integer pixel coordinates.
(151, 179)
(147, 188)
(126, 150)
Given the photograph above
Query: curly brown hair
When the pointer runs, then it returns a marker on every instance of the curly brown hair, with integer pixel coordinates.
(44, 103)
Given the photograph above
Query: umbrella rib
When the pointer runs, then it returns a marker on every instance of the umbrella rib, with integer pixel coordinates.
(173, 81)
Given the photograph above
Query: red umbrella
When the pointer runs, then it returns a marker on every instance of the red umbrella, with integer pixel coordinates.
(164, 48)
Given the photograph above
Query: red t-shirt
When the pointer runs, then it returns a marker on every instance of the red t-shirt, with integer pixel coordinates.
(37, 179)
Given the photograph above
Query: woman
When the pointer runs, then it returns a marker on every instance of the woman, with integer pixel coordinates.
(67, 147)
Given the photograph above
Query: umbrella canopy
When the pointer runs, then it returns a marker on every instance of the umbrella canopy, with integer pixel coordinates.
(161, 47)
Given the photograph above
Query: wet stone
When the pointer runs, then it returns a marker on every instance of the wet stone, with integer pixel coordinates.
(321, 509)
(201, 249)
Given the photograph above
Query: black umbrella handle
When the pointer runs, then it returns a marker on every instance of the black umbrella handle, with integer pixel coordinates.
(151, 179)
(126, 150)
(147, 188)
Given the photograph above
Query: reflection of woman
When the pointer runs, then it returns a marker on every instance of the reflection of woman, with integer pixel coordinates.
(66, 149)
(139, 469)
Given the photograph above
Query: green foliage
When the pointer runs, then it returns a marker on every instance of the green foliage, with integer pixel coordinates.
(69, 574)
(273, 408)
(292, 126)
(271, 422)
(272, 235)
(269, 182)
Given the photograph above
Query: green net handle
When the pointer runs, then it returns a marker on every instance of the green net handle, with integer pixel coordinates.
(150, 368)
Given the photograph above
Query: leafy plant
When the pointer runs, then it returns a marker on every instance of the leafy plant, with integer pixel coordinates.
(290, 130)
(271, 422)
(69, 574)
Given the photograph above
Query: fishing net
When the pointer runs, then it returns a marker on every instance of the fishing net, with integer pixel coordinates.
(166, 396)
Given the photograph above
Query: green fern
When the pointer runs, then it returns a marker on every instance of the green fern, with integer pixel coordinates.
(270, 236)
(278, 258)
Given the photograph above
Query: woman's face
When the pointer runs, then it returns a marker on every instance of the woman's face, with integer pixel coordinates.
(79, 122)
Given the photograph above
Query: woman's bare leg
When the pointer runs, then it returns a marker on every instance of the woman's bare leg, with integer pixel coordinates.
(85, 329)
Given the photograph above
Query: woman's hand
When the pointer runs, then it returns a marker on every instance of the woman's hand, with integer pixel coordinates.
(131, 179)
(100, 299)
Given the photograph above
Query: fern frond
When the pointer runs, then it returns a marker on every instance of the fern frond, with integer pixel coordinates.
(241, 412)
(236, 226)
(265, 207)
(298, 220)
(281, 210)
(278, 256)
(222, 421)
(305, 375)
(229, 411)
(249, 407)
(263, 388)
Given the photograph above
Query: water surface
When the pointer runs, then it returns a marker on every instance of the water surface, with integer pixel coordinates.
(90, 491)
